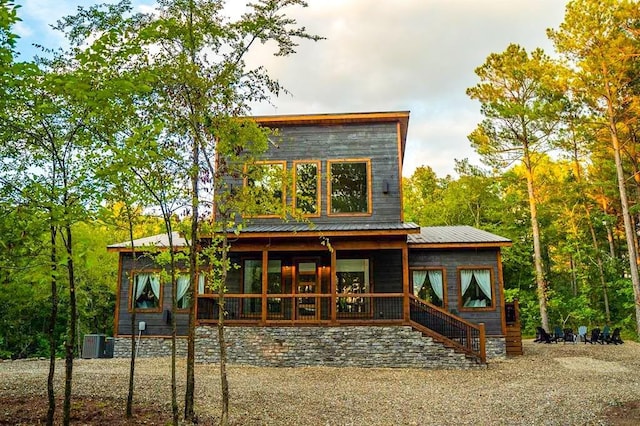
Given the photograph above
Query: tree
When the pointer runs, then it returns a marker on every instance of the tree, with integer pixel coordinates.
(521, 99)
(601, 38)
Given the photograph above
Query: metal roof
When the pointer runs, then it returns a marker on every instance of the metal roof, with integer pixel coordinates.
(455, 235)
(329, 227)
(160, 241)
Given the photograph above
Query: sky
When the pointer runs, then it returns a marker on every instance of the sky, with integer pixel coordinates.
(378, 55)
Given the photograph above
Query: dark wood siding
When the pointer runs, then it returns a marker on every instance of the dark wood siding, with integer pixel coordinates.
(377, 142)
(155, 323)
(451, 260)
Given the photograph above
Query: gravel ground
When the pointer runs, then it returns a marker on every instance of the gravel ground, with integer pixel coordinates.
(552, 384)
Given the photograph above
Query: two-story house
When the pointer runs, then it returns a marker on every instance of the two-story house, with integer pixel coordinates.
(358, 286)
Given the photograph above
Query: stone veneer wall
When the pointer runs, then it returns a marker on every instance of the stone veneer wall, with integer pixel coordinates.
(357, 346)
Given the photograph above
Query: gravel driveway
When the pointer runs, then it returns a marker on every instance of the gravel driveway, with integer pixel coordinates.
(552, 384)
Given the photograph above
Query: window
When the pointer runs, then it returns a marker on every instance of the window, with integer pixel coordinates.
(274, 286)
(252, 284)
(352, 278)
(476, 288)
(266, 181)
(428, 285)
(146, 291)
(307, 187)
(182, 289)
(349, 187)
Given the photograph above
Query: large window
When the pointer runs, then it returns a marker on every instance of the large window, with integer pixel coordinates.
(349, 187)
(352, 279)
(266, 182)
(307, 187)
(252, 284)
(476, 288)
(146, 291)
(428, 285)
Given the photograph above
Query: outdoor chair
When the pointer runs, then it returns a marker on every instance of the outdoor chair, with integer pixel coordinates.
(568, 335)
(558, 334)
(605, 335)
(595, 336)
(615, 337)
(542, 336)
(582, 334)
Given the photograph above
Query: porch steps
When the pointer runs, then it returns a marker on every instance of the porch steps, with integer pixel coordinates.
(469, 361)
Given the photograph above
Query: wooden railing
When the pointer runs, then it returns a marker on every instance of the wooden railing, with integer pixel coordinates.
(448, 329)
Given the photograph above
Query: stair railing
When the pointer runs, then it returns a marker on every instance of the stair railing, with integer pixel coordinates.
(448, 328)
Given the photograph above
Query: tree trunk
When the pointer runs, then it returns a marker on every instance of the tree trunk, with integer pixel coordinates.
(132, 362)
(537, 249)
(52, 325)
(73, 319)
(224, 383)
(626, 216)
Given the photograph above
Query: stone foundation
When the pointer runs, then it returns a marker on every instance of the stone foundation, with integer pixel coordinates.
(357, 346)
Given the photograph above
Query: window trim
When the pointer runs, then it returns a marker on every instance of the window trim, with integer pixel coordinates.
(443, 271)
(318, 183)
(461, 307)
(367, 161)
(283, 163)
(131, 306)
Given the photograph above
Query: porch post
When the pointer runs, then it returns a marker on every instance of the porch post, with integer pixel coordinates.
(265, 278)
(333, 286)
(405, 283)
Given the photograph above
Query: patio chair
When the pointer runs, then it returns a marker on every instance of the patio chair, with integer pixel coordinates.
(558, 334)
(615, 337)
(568, 335)
(582, 334)
(542, 336)
(605, 335)
(595, 336)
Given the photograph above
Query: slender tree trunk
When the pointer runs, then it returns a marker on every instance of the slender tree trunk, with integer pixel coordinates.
(626, 215)
(628, 226)
(53, 317)
(194, 174)
(537, 248)
(73, 319)
(603, 281)
(174, 332)
(132, 362)
(224, 383)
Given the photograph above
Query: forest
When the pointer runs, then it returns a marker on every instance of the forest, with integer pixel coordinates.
(560, 175)
(129, 131)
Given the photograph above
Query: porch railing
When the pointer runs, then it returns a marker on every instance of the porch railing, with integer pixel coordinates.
(447, 328)
(304, 308)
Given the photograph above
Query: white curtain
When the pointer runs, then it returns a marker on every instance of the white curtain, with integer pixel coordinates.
(141, 281)
(418, 281)
(435, 277)
(182, 284)
(465, 279)
(483, 278)
(155, 285)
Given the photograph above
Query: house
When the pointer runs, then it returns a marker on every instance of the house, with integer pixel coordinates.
(387, 293)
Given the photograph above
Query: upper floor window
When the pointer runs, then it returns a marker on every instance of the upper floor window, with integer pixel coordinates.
(146, 291)
(267, 179)
(307, 187)
(476, 288)
(349, 187)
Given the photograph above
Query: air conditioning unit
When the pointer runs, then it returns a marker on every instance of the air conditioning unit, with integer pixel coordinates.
(93, 346)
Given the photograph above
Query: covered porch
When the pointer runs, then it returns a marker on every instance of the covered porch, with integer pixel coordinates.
(285, 282)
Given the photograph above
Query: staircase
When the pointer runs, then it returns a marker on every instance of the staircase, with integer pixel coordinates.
(452, 331)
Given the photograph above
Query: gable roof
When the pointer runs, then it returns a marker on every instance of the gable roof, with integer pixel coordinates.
(455, 236)
(400, 117)
(159, 241)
